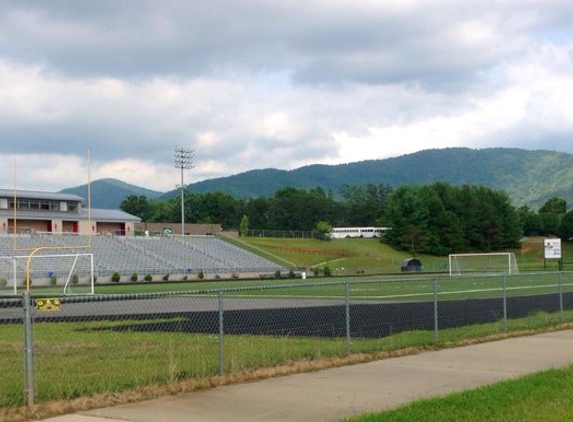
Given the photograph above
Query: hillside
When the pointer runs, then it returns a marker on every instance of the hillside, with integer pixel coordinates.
(109, 193)
(529, 177)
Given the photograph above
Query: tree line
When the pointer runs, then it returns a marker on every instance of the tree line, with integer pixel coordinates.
(437, 218)
(288, 209)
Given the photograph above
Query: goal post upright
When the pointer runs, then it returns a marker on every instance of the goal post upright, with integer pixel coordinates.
(476, 263)
(71, 273)
(70, 266)
(34, 250)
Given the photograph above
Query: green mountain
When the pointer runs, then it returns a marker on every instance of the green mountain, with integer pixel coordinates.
(529, 177)
(109, 193)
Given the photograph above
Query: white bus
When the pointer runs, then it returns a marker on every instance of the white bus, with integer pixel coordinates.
(343, 232)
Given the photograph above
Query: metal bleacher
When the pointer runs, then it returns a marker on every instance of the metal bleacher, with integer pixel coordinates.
(156, 255)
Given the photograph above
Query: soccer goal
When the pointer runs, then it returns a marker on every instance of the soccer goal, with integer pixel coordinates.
(59, 271)
(483, 263)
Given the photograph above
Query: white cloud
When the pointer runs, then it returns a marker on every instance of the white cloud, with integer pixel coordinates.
(252, 84)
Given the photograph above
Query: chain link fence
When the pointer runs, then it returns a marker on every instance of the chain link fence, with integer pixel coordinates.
(59, 348)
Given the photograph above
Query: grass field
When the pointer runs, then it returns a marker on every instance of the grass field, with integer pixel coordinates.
(79, 359)
(544, 396)
(85, 359)
(370, 256)
(343, 256)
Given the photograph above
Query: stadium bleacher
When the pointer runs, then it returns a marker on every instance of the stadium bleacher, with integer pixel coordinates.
(155, 255)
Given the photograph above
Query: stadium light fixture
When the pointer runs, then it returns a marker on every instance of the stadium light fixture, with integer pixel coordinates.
(184, 160)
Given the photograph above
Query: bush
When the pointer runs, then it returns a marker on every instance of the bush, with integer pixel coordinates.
(201, 275)
(24, 282)
(278, 274)
(75, 278)
(166, 277)
(53, 280)
(3, 281)
(316, 271)
(327, 271)
(133, 277)
(115, 277)
(291, 273)
(148, 277)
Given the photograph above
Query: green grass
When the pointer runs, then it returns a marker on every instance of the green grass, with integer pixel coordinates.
(78, 359)
(374, 257)
(396, 287)
(84, 358)
(343, 256)
(544, 396)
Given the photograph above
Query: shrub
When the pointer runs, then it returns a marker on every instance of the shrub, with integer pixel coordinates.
(148, 277)
(115, 277)
(235, 276)
(201, 275)
(75, 278)
(278, 274)
(316, 271)
(327, 271)
(291, 273)
(3, 281)
(166, 277)
(24, 282)
(133, 277)
(53, 280)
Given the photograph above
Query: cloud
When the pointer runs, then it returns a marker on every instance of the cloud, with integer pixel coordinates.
(251, 84)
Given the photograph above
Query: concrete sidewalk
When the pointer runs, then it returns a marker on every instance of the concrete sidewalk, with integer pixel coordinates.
(334, 394)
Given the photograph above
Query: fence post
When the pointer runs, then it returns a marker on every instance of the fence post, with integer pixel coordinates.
(347, 306)
(28, 351)
(221, 336)
(436, 333)
(504, 289)
(561, 314)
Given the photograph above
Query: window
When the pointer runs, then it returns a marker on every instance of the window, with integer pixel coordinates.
(72, 206)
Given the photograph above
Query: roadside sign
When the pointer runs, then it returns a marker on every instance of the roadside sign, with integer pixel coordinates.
(552, 248)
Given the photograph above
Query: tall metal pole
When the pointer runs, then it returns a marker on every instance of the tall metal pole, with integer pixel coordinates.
(184, 160)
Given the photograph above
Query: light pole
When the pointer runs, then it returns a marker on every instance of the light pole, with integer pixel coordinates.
(184, 159)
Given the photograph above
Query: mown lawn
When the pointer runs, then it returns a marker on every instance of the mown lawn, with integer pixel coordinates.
(544, 396)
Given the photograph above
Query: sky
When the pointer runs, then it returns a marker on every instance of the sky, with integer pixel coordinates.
(92, 90)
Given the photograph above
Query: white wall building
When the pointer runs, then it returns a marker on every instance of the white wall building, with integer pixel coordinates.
(23, 211)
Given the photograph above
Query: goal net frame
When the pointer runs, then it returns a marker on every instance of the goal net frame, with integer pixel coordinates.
(62, 265)
(487, 263)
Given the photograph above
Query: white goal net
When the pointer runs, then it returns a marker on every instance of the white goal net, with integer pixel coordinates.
(63, 271)
(483, 263)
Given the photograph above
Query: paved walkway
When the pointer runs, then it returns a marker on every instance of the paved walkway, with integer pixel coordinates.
(334, 394)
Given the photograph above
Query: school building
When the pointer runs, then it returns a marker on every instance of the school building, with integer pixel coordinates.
(30, 212)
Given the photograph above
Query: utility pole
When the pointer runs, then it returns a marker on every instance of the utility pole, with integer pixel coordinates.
(184, 160)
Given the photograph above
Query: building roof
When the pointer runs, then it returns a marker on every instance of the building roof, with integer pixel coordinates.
(106, 215)
(31, 194)
(101, 215)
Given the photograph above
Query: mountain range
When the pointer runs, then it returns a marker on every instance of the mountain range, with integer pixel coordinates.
(528, 177)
